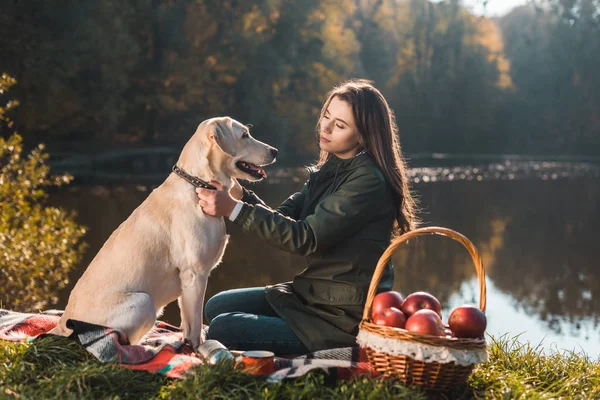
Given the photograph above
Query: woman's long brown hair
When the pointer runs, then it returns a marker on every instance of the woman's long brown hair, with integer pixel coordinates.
(377, 127)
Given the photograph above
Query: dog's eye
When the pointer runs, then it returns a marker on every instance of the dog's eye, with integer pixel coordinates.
(245, 135)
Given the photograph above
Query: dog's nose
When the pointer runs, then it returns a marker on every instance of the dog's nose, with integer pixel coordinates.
(274, 152)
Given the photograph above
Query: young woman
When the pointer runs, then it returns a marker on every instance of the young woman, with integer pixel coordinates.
(356, 198)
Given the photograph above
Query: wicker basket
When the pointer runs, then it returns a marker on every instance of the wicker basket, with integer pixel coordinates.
(432, 375)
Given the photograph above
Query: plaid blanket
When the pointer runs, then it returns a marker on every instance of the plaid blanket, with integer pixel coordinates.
(163, 351)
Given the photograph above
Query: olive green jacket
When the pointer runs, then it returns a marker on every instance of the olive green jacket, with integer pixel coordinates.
(341, 222)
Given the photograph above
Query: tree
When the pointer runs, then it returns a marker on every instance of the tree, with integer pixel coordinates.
(554, 49)
(72, 60)
(40, 244)
(445, 79)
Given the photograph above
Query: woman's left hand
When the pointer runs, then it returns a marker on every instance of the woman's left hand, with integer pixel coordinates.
(218, 202)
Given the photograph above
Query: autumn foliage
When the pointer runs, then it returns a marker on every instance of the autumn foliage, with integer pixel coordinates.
(39, 244)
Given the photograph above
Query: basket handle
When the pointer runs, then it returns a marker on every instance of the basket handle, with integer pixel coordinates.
(431, 230)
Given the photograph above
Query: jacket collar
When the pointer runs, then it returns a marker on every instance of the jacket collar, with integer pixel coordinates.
(355, 161)
(334, 163)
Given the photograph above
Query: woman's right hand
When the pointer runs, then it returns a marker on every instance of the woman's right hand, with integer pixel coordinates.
(236, 190)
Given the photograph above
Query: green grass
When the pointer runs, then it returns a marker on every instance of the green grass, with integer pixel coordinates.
(58, 368)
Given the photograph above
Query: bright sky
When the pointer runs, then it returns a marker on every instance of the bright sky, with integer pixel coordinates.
(494, 8)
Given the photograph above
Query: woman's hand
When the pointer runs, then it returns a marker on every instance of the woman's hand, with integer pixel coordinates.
(236, 190)
(218, 202)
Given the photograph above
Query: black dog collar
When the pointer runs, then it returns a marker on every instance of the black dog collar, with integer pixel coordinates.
(197, 182)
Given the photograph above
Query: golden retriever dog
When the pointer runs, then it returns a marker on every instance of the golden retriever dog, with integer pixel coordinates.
(167, 247)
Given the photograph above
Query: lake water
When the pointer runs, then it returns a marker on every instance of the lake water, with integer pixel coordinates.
(535, 224)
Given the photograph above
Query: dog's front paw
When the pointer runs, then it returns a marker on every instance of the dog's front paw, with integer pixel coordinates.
(194, 342)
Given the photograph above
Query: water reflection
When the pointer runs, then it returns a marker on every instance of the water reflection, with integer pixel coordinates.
(505, 170)
(537, 239)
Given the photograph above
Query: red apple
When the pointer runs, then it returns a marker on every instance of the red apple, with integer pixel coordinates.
(418, 301)
(390, 317)
(425, 322)
(386, 300)
(467, 322)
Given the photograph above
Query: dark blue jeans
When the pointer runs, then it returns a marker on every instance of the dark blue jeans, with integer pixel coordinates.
(242, 319)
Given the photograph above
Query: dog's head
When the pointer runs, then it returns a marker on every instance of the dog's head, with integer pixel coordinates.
(230, 149)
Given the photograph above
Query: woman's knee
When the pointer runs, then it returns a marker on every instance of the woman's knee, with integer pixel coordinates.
(213, 306)
(222, 327)
(231, 300)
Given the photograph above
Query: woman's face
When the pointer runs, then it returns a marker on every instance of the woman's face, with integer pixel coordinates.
(338, 130)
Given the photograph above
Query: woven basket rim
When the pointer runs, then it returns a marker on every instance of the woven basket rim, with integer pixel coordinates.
(389, 332)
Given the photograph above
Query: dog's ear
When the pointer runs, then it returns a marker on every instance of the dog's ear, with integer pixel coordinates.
(224, 138)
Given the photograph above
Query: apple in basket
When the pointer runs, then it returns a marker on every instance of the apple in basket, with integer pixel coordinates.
(418, 301)
(467, 321)
(386, 300)
(391, 316)
(426, 322)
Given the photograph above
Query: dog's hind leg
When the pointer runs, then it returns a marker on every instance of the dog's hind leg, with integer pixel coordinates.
(60, 331)
(134, 314)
